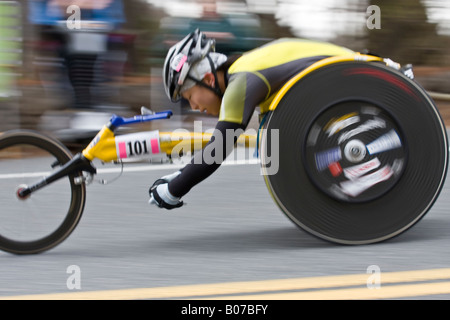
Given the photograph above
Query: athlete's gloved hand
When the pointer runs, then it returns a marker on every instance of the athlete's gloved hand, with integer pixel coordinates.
(160, 194)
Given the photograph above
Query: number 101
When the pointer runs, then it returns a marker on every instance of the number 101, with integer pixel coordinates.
(137, 148)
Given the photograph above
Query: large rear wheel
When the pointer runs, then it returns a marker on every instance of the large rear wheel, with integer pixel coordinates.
(362, 153)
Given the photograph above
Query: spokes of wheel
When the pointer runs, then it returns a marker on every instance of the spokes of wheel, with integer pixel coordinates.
(354, 152)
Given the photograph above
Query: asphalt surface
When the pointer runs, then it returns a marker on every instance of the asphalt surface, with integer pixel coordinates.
(229, 231)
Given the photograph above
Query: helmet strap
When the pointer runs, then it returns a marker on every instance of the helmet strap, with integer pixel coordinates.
(216, 80)
(216, 88)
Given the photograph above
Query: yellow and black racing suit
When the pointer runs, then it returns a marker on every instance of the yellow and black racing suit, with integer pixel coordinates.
(251, 81)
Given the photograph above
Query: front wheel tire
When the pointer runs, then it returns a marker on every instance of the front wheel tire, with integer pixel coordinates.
(42, 220)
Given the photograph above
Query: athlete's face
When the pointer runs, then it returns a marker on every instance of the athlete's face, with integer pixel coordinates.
(203, 99)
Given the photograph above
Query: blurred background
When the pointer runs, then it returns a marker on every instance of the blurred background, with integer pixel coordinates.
(67, 81)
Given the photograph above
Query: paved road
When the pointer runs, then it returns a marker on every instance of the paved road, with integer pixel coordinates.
(230, 231)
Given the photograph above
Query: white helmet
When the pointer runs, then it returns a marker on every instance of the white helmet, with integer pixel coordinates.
(182, 57)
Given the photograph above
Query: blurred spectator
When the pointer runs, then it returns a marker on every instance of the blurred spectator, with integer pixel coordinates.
(79, 49)
(235, 33)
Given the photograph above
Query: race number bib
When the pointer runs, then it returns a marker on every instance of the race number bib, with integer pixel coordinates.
(138, 145)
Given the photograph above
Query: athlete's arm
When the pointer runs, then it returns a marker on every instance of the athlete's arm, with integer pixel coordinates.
(204, 163)
(243, 94)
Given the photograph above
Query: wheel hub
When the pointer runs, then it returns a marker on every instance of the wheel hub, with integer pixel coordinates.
(355, 151)
(19, 192)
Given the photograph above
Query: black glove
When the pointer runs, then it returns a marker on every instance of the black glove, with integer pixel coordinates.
(161, 197)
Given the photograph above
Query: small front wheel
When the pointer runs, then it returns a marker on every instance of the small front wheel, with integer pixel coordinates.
(39, 221)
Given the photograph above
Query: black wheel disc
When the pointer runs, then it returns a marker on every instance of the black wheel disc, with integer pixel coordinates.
(313, 160)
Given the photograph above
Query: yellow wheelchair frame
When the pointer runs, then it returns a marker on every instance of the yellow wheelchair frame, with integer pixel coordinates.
(322, 63)
(106, 148)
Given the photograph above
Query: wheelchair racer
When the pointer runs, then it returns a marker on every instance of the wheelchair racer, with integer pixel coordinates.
(230, 88)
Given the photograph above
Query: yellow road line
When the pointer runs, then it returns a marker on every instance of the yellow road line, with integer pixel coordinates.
(269, 289)
(384, 292)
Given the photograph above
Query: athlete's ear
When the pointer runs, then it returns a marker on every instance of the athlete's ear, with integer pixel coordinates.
(209, 79)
